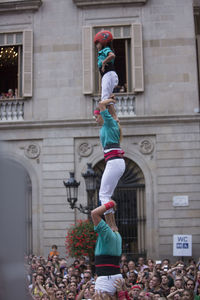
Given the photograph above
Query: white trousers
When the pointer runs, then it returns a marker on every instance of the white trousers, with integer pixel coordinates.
(106, 283)
(113, 171)
(109, 82)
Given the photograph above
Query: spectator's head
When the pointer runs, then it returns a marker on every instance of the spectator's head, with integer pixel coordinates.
(41, 270)
(187, 295)
(155, 281)
(45, 297)
(125, 269)
(71, 271)
(86, 294)
(54, 248)
(177, 296)
(165, 280)
(150, 263)
(55, 259)
(166, 262)
(135, 290)
(132, 277)
(178, 283)
(82, 261)
(198, 276)
(62, 286)
(77, 272)
(156, 296)
(131, 265)
(92, 289)
(59, 294)
(123, 258)
(87, 276)
(10, 93)
(73, 287)
(73, 278)
(172, 289)
(40, 279)
(71, 295)
(58, 280)
(141, 261)
(190, 284)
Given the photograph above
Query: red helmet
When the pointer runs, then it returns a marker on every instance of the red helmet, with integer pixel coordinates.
(104, 37)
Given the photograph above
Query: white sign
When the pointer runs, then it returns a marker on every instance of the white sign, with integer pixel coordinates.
(180, 200)
(182, 245)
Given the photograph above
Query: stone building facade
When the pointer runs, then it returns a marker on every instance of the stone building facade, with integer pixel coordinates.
(49, 130)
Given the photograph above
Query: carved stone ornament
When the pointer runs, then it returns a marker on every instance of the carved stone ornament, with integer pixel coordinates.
(85, 149)
(146, 146)
(32, 151)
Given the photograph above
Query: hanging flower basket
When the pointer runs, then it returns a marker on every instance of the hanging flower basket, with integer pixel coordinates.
(81, 240)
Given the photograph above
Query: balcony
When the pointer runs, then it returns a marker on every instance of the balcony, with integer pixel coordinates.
(11, 110)
(125, 105)
(10, 6)
(88, 3)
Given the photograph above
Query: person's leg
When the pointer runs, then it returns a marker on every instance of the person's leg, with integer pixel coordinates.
(109, 81)
(113, 171)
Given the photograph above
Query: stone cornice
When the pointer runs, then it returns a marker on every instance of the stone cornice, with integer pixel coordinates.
(142, 120)
(11, 6)
(87, 3)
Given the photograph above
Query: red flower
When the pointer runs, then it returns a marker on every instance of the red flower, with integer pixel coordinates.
(81, 239)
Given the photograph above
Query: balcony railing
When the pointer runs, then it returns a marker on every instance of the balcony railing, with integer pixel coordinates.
(125, 105)
(11, 111)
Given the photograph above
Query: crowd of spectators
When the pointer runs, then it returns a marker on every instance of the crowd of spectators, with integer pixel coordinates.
(9, 95)
(53, 278)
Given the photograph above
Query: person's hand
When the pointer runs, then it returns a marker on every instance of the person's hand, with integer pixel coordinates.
(180, 290)
(118, 284)
(103, 66)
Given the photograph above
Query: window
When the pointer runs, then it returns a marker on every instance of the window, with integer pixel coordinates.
(16, 64)
(129, 58)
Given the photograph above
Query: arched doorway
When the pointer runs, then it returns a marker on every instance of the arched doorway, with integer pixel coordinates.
(131, 213)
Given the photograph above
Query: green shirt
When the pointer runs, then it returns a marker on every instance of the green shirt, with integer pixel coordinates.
(109, 132)
(102, 54)
(108, 242)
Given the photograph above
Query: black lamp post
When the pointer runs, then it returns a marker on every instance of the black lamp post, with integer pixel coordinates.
(91, 184)
(72, 190)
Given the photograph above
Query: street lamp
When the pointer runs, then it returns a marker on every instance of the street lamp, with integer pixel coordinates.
(72, 190)
(91, 185)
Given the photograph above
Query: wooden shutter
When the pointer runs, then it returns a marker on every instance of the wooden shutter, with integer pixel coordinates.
(137, 58)
(27, 81)
(198, 55)
(87, 60)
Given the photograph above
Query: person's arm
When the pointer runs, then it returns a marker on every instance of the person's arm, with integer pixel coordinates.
(104, 103)
(121, 293)
(99, 211)
(171, 296)
(81, 293)
(110, 57)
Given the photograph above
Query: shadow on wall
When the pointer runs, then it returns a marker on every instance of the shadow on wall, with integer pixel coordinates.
(12, 233)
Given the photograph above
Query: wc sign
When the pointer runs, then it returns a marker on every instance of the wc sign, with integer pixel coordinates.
(182, 245)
